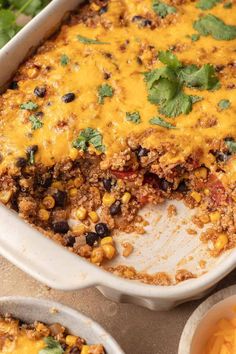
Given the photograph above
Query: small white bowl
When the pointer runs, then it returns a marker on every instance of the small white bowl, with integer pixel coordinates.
(30, 309)
(198, 327)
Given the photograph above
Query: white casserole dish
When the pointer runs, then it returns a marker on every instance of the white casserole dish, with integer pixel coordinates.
(29, 310)
(162, 248)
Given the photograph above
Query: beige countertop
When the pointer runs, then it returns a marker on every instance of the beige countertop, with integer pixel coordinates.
(138, 330)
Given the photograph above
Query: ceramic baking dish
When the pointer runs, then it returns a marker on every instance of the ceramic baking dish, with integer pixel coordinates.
(166, 245)
(29, 310)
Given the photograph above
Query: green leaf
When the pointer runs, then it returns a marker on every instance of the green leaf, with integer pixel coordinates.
(36, 122)
(31, 9)
(162, 9)
(231, 144)
(104, 91)
(65, 60)
(203, 78)
(194, 37)
(161, 122)
(196, 98)
(29, 106)
(207, 4)
(224, 104)
(169, 59)
(86, 40)
(89, 136)
(228, 5)
(52, 347)
(215, 27)
(180, 104)
(133, 117)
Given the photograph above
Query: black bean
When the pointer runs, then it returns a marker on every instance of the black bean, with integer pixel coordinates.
(147, 22)
(60, 198)
(220, 155)
(64, 346)
(107, 184)
(102, 229)
(115, 208)
(153, 180)
(91, 238)
(40, 91)
(60, 227)
(139, 61)
(142, 152)
(103, 10)
(144, 22)
(69, 97)
(106, 76)
(70, 241)
(165, 185)
(44, 181)
(182, 187)
(21, 162)
(13, 85)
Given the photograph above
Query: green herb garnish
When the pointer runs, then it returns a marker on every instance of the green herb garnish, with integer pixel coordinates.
(165, 85)
(161, 122)
(224, 104)
(215, 27)
(231, 144)
(194, 37)
(86, 40)
(133, 117)
(162, 9)
(104, 91)
(207, 4)
(36, 123)
(29, 106)
(52, 347)
(89, 136)
(65, 60)
(228, 5)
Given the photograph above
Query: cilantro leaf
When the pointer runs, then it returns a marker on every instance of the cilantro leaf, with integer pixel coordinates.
(89, 136)
(162, 9)
(64, 60)
(207, 4)
(170, 59)
(30, 8)
(104, 91)
(52, 347)
(180, 104)
(224, 104)
(8, 27)
(86, 40)
(133, 117)
(203, 78)
(231, 144)
(29, 106)
(196, 98)
(36, 122)
(215, 27)
(194, 37)
(161, 122)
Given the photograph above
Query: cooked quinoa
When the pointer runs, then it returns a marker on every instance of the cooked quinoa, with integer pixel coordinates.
(132, 102)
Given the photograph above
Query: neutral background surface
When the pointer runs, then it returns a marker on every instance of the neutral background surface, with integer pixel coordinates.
(138, 330)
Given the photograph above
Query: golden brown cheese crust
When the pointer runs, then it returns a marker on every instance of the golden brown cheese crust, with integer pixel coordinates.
(131, 51)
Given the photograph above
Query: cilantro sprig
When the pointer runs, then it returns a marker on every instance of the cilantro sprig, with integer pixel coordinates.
(210, 25)
(86, 40)
(133, 117)
(207, 4)
(104, 90)
(162, 9)
(89, 136)
(36, 123)
(29, 106)
(10, 11)
(161, 122)
(165, 85)
(52, 347)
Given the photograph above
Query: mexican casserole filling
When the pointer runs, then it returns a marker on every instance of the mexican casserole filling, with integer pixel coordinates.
(132, 102)
(39, 338)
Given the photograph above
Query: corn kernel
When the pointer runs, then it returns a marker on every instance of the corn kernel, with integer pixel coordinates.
(204, 218)
(70, 184)
(221, 242)
(215, 216)
(85, 349)
(43, 214)
(79, 229)
(32, 73)
(81, 213)
(78, 181)
(94, 216)
(94, 7)
(120, 183)
(201, 173)
(97, 255)
(108, 199)
(49, 202)
(57, 185)
(73, 153)
(73, 192)
(196, 196)
(106, 240)
(126, 198)
(109, 250)
(206, 191)
(5, 196)
(71, 340)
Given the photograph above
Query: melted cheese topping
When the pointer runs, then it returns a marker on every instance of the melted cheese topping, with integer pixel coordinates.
(85, 72)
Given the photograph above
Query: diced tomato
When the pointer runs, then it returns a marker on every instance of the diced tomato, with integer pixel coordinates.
(130, 175)
(143, 199)
(217, 189)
